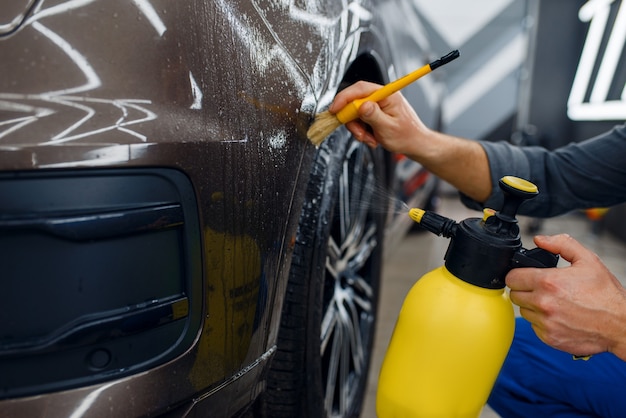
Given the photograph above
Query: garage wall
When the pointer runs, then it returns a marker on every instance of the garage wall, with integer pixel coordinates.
(561, 36)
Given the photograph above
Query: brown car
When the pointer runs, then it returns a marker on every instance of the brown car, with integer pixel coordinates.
(171, 243)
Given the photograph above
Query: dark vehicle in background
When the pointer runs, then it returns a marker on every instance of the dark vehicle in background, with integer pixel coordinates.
(170, 242)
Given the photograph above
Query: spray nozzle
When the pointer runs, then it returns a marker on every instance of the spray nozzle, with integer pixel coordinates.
(437, 224)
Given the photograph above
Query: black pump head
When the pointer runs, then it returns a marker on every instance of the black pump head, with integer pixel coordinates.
(516, 191)
(493, 240)
(482, 251)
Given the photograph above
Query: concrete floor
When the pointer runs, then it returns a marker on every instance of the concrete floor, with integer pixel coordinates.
(420, 252)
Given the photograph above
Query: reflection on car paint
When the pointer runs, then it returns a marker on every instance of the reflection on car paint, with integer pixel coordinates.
(99, 156)
(233, 268)
(12, 15)
(63, 96)
(196, 92)
(83, 407)
(150, 13)
(267, 51)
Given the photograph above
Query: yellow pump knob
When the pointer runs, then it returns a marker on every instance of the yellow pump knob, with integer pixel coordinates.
(520, 184)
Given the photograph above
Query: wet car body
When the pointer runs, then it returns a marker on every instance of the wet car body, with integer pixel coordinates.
(153, 169)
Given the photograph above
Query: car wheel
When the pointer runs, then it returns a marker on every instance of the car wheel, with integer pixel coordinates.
(329, 314)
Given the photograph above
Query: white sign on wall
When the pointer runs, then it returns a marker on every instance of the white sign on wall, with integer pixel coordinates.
(589, 98)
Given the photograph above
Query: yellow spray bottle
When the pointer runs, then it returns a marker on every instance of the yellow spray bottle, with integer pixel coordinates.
(456, 324)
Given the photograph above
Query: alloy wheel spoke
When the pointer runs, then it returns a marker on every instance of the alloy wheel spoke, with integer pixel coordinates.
(349, 315)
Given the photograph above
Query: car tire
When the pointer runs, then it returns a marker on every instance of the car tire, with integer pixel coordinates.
(329, 314)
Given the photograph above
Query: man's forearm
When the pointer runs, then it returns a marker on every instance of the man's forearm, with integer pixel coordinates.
(461, 162)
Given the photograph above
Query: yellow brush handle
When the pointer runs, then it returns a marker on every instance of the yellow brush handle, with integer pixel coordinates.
(351, 110)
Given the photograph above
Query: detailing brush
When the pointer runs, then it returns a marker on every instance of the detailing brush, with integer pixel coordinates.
(325, 122)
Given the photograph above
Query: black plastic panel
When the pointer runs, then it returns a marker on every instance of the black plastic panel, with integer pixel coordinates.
(101, 275)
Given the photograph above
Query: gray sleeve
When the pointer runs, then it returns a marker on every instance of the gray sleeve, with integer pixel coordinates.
(581, 175)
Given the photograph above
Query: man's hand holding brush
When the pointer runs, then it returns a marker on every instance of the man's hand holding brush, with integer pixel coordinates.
(397, 125)
(393, 124)
(326, 122)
